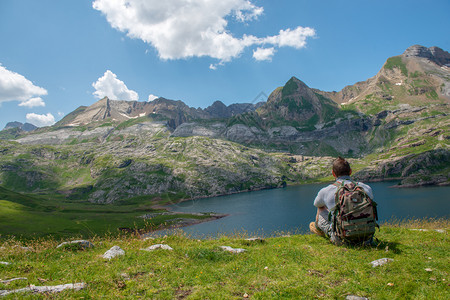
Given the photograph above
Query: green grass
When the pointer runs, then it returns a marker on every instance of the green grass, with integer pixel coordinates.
(31, 216)
(291, 267)
(396, 62)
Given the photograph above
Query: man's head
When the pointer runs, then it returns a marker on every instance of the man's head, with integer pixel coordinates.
(341, 167)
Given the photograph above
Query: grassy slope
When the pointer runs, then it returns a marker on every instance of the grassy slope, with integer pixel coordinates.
(39, 216)
(299, 266)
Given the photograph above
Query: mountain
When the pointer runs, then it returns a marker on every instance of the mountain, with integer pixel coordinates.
(175, 111)
(392, 126)
(419, 75)
(296, 103)
(25, 127)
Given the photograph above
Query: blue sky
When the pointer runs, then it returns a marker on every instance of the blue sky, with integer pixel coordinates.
(58, 55)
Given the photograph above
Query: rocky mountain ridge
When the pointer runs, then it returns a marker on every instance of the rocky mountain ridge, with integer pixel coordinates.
(418, 74)
(175, 111)
(22, 126)
(396, 127)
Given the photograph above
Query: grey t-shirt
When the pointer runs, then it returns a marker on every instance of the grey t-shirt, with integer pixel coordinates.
(325, 197)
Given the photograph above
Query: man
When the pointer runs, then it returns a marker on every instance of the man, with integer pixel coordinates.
(325, 200)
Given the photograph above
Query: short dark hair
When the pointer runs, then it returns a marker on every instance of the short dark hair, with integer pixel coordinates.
(341, 167)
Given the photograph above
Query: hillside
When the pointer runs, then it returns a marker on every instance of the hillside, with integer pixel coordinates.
(393, 126)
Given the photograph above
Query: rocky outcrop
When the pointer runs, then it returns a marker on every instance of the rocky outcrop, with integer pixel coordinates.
(413, 169)
(434, 54)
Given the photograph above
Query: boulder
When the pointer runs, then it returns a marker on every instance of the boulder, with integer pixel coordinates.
(158, 246)
(380, 262)
(113, 252)
(76, 245)
(232, 250)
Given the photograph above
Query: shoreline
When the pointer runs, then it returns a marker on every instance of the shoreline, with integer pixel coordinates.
(417, 185)
(185, 223)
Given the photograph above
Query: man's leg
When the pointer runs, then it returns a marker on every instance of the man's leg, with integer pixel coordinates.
(325, 226)
(322, 222)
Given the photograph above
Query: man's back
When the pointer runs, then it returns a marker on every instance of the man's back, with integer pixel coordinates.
(326, 196)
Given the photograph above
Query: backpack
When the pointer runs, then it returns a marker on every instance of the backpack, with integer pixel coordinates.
(355, 215)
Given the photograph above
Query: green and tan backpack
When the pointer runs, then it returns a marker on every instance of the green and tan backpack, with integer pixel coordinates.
(355, 216)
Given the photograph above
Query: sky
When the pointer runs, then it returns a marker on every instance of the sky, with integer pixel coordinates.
(57, 55)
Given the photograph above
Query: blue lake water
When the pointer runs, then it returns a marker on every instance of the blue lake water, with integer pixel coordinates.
(290, 209)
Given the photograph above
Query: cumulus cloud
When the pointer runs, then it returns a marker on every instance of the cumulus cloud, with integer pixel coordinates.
(152, 97)
(40, 120)
(110, 86)
(263, 53)
(194, 28)
(15, 87)
(33, 102)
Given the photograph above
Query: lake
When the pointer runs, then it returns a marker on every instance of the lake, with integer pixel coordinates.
(290, 209)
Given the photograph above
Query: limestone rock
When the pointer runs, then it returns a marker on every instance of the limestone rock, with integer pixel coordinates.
(46, 289)
(254, 240)
(113, 252)
(380, 262)
(12, 279)
(353, 297)
(232, 250)
(158, 246)
(80, 244)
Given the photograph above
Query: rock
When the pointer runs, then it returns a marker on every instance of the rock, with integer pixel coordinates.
(24, 248)
(232, 250)
(80, 244)
(46, 289)
(425, 230)
(13, 279)
(158, 246)
(380, 262)
(113, 252)
(4, 263)
(429, 270)
(353, 297)
(255, 240)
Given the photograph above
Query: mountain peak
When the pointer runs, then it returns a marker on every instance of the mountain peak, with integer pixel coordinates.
(24, 127)
(434, 54)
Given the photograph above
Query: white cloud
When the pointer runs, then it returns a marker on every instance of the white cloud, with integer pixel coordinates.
(33, 102)
(263, 53)
(15, 87)
(291, 38)
(152, 97)
(193, 28)
(110, 86)
(41, 120)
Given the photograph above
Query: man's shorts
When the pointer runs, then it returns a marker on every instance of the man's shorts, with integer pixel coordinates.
(327, 227)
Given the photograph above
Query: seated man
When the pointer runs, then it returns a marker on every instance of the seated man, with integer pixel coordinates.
(325, 200)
